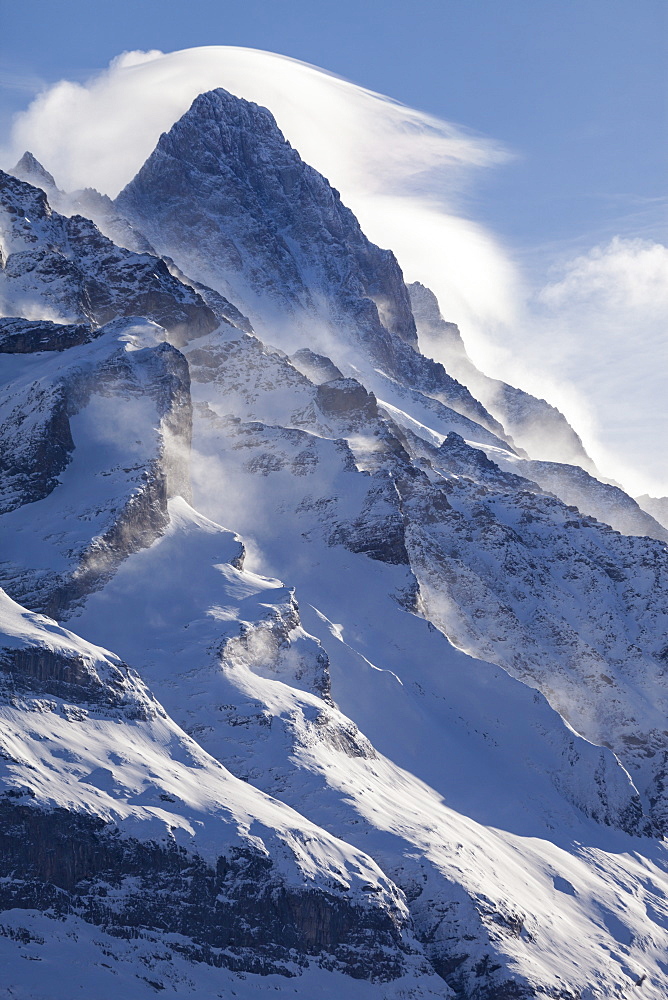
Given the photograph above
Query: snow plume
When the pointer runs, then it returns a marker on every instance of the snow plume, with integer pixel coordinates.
(592, 341)
(602, 324)
(31, 308)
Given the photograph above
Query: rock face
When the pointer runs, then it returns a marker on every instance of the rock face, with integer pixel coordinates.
(237, 914)
(22, 336)
(407, 738)
(314, 366)
(228, 199)
(657, 507)
(455, 456)
(482, 559)
(88, 203)
(225, 192)
(65, 266)
(30, 170)
(604, 501)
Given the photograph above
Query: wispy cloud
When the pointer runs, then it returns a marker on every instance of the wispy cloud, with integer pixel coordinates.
(12, 78)
(400, 170)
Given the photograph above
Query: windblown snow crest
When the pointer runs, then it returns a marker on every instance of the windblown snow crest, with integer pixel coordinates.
(431, 763)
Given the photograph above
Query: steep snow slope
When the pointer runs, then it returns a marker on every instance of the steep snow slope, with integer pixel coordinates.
(164, 835)
(567, 604)
(509, 573)
(465, 763)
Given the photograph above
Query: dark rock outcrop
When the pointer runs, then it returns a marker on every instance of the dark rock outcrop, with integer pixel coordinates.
(456, 456)
(44, 671)
(346, 398)
(238, 914)
(38, 446)
(23, 336)
(378, 530)
(135, 526)
(315, 367)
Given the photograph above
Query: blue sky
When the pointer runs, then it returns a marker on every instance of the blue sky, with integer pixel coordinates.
(576, 87)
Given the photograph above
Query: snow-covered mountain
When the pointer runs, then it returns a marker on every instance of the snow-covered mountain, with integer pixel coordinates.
(385, 715)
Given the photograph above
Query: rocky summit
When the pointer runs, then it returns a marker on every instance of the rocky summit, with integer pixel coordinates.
(326, 669)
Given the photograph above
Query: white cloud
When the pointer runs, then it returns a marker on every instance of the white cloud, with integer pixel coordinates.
(622, 277)
(590, 341)
(605, 316)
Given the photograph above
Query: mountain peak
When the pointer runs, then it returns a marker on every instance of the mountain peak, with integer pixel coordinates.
(229, 199)
(31, 170)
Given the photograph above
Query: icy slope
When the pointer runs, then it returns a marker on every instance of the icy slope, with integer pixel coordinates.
(164, 835)
(510, 574)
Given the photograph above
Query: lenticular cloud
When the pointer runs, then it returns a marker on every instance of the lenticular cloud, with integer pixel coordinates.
(369, 141)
